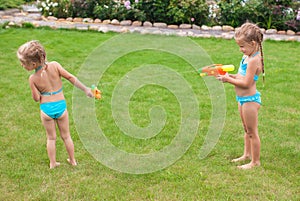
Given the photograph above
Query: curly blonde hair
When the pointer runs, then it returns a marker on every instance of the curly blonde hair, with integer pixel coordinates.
(32, 51)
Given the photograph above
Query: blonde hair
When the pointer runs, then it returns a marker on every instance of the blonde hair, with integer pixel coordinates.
(32, 51)
(251, 32)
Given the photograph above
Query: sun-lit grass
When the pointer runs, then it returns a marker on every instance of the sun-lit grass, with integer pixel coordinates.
(24, 162)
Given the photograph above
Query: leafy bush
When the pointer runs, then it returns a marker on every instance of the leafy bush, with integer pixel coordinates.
(120, 11)
(82, 8)
(66, 8)
(279, 14)
(155, 10)
(5, 4)
(28, 25)
(168, 11)
(187, 11)
(49, 7)
(267, 14)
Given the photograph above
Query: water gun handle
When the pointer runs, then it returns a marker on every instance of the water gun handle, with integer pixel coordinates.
(96, 92)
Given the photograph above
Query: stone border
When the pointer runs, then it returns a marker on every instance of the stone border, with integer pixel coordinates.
(29, 14)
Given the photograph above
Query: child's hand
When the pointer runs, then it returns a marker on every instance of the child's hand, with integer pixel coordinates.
(88, 92)
(223, 78)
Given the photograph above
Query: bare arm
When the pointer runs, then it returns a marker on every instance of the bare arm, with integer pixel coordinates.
(34, 91)
(71, 78)
(232, 75)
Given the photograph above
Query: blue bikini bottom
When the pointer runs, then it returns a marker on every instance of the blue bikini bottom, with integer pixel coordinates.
(54, 109)
(254, 98)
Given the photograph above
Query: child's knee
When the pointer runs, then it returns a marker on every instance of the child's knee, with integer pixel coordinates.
(51, 137)
(250, 132)
(65, 137)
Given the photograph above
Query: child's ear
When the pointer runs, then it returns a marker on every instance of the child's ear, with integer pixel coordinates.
(34, 64)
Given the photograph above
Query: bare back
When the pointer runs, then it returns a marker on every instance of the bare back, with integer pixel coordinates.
(46, 80)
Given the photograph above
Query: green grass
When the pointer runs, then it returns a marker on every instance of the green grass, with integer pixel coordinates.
(24, 162)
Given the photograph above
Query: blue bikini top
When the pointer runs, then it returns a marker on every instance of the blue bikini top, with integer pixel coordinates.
(243, 67)
(51, 93)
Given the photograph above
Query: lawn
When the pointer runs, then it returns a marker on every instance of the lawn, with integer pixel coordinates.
(24, 163)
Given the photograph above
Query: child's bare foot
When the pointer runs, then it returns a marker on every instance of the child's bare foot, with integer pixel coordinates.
(248, 166)
(73, 163)
(54, 165)
(242, 158)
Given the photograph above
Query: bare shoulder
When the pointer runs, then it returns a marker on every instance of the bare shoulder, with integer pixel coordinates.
(54, 64)
(256, 64)
(31, 77)
(255, 61)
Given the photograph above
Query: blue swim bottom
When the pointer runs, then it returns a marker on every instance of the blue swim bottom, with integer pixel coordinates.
(54, 109)
(254, 98)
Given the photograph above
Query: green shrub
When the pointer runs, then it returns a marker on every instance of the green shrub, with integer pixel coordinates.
(267, 14)
(5, 4)
(66, 8)
(63, 10)
(168, 11)
(82, 8)
(120, 11)
(48, 7)
(187, 11)
(28, 25)
(278, 14)
(155, 10)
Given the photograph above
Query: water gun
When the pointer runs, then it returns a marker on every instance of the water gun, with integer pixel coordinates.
(96, 92)
(215, 69)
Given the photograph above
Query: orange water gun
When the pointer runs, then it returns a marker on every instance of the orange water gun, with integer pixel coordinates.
(96, 92)
(215, 70)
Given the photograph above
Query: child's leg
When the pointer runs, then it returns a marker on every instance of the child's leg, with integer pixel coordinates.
(49, 125)
(250, 116)
(63, 125)
(247, 146)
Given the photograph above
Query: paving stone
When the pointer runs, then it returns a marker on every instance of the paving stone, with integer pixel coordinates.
(51, 18)
(205, 28)
(160, 25)
(69, 19)
(88, 20)
(147, 24)
(196, 27)
(281, 32)
(271, 31)
(185, 26)
(97, 21)
(137, 23)
(172, 26)
(115, 22)
(227, 28)
(217, 28)
(126, 23)
(290, 33)
(77, 19)
(106, 21)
